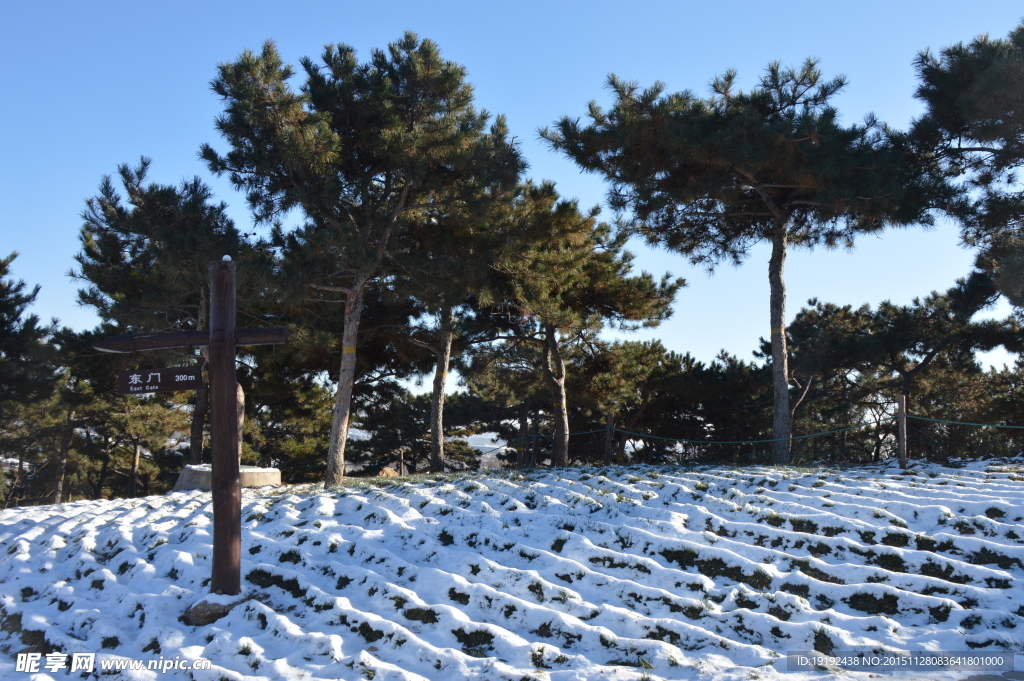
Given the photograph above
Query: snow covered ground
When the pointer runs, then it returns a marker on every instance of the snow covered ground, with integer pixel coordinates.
(619, 573)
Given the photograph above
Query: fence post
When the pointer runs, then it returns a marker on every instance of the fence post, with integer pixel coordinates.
(903, 430)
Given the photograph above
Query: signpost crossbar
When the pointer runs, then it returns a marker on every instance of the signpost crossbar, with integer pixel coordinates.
(187, 339)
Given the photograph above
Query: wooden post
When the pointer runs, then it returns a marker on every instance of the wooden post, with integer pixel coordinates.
(903, 430)
(226, 576)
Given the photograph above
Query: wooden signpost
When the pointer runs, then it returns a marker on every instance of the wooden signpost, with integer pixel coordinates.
(222, 338)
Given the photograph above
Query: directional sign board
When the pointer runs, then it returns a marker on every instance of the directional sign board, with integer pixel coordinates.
(171, 379)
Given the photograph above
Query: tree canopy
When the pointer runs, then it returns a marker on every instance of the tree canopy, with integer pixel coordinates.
(711, 177)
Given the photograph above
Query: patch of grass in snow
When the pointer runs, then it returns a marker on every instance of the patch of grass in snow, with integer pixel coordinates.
(609, 562)
(458, 596)
(896, 539)
(425, 615)
(887, 604)
(893, 562)
(823, 642)
(537, 589)
(33, 638)
(369, 633)
(803, 525)
(264, 579)
(474, 639)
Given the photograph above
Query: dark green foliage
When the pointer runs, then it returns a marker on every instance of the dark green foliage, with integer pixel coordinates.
(716, 567)
(544, 630)
(819, 549)
(803, 525)
(264, 579)
(291, 556)
(971, 621)
(361, 150)
(425, 615)
(369, 633)
(925, 543)
(890, 561)
(796, 589)
(799, 178)
(823, 642)
(942, 570)
(887, 604)
(474, 639)
(609, 562)
(896, 539)
(537, 589)
(26, 374)
(662, 634)
(458, 596)
(820, 575)
(986, 556)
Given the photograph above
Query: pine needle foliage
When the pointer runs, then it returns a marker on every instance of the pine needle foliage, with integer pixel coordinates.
(359, 149)
(711, 177)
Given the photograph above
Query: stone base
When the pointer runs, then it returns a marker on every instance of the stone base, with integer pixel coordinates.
(201, 477)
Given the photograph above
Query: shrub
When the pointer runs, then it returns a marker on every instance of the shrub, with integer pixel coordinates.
(888, 604)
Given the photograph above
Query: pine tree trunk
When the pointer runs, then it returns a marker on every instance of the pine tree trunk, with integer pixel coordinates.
(104, 469)
(554, 372)
(62, 460)
(346, 379)
(780, 358)
(437, 398)
(133, 484)
(195, 444)
(903, 405)
(536, 436)
(630, 425)
(524, 427)
(240, 414)
(609, 435)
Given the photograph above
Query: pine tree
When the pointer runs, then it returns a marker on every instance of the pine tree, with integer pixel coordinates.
(446, 263)
(143, 263)
(359, 149)
(26, 372)
(974, 126)
(506, 376)
(566, 279)
(711, 177)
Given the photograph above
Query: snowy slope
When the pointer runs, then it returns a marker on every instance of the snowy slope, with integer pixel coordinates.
(575, 574)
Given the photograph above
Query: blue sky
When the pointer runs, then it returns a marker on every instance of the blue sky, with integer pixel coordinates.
(88, 86)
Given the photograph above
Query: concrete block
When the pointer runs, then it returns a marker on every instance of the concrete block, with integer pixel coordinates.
(201, 477)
